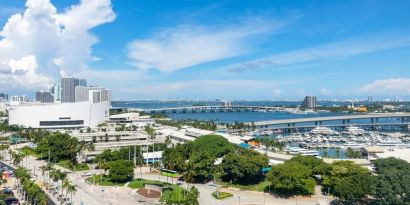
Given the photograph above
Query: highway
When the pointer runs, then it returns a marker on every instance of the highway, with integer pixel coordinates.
(331, 118)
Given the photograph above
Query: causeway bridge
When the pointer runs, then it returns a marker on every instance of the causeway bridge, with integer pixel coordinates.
(369, 120)
(220, 108)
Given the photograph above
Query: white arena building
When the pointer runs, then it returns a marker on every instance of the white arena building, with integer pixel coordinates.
(60, 115)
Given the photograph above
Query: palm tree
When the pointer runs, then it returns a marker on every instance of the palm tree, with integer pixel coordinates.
(337, 152)
(47, 168)
(58, 175)
(150, 131)
(71, 189)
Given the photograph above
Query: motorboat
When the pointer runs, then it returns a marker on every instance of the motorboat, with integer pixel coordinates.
(351, 130)
(322, 131)
(353, 145)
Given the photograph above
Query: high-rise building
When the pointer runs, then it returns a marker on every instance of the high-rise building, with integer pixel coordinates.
(81, 93)
(56, 91)
(44, 97)
(105, 95)
(309, 102)
(19, 98)
(68, 89)
(82, 82)
(4, 97)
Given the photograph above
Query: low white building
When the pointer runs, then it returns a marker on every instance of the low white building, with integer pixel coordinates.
(59, 115)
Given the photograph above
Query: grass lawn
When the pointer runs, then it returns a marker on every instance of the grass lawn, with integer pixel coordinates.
(78, 167)
(261, 186)
(222, 195)
(174, 175)
(103, 181)
(173, 193)
(32, 152)
(138, 183)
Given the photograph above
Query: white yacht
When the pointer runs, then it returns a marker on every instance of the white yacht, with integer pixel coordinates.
(302, 151)
(322, 131)
(392, 143)
(351, 130)
(352, 145)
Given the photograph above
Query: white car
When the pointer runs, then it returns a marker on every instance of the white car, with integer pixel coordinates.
(88, 174)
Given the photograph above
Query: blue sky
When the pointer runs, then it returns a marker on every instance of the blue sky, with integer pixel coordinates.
(256, 50)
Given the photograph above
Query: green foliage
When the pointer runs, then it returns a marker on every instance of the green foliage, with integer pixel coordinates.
(313, 163)
(127, 153)
(159, 116)
(103, 180)
(121, 171)
(348, 181)
(30, 151)
(61, 147)
(197, 158)
(34, 192)
(393, 181)
(174, 194)
(292, 177)
(222, 195)
(352, 154)
(216, 145)
(243, 166)
(202, 165)
(139, 183)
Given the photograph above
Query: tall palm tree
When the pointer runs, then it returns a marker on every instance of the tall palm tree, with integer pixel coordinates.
(71, 189)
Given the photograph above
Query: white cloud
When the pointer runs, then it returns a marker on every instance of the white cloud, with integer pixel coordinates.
(392, 86)
(172, 49)
(41, 43)
(277, 92)
(325, 91)
(332, 51)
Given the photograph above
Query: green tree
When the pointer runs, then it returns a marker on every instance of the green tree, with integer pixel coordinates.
(243, 166)
(292, 178)
(392, 182)
(313, 163)
(121, 171)
(348, 181)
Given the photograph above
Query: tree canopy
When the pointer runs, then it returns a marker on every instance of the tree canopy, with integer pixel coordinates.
(121, 171)
(348, 181)
(61, 146)
(393, 181)
(243, 166)
(292, 177)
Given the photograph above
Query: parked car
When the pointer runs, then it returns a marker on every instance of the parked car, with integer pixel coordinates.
(88, 174)
(12, 201)
(7, 191)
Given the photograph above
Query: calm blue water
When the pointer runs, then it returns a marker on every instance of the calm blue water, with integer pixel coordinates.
(230, 117)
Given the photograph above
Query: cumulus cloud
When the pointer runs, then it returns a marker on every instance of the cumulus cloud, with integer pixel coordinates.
(40, 44)
(392, 86)
(172, 49)
(333, 51)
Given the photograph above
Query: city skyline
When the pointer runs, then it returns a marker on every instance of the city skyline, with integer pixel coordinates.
(207, 50)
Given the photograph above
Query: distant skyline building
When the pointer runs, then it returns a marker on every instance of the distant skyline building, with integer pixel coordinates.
(309, 102)
(44, 97)
(56, 91)
(19, 98)
(82, 82)
(68, 89)
(93, 94)
(4, 97)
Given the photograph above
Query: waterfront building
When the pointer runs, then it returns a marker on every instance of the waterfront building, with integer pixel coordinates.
(3, 97)
(68, 89)
(309, 102)
(44, 97)
(94, 94)
(59, 115)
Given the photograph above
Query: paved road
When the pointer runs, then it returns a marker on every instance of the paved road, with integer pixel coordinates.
(96, 195)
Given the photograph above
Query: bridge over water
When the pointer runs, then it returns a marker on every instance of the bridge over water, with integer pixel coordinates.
(219, 108)
(401, 120)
